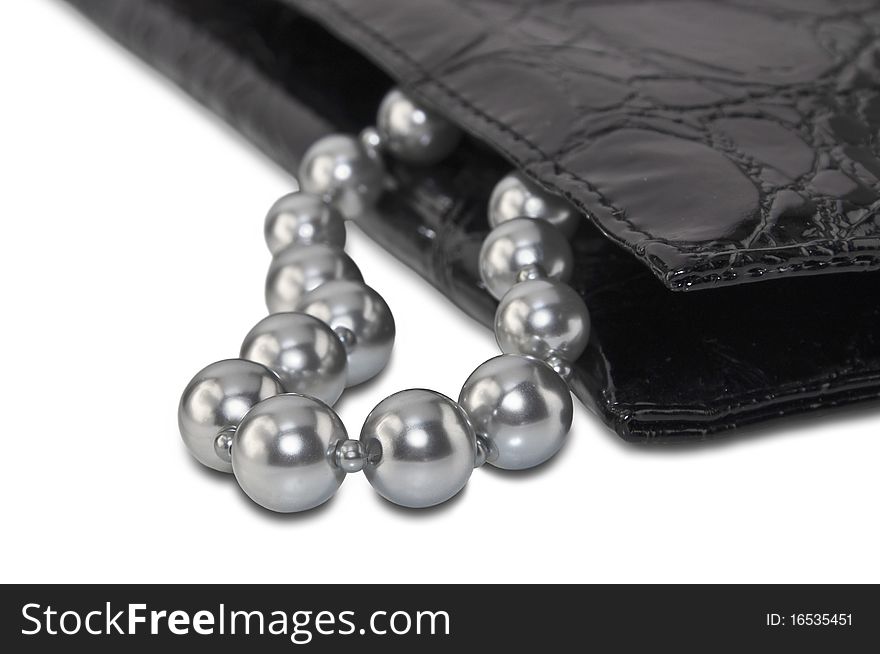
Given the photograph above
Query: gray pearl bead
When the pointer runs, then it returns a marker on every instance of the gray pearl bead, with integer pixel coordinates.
(371, 140)
(305, 353)
(482, 451)
(282, 453)
(543, 319)
(349, 456)
(516, 196)
(561, 367)
(523, 243)
(341, 170)
(361, 317)
(413, 133)
(303, 219)
(223, 444)
(216, 399)
(520, 407)
(420, 448)
(296, 270)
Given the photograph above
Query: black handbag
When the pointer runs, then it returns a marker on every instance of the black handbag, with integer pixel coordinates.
(726, 156)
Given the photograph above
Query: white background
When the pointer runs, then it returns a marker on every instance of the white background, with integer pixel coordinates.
(132, 255)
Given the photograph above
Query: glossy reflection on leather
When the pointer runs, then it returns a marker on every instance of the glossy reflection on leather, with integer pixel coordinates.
(659, 366)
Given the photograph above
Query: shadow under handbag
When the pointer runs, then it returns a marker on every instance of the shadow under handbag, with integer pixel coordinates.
(725, 155)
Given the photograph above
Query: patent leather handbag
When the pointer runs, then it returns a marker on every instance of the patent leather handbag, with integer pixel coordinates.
(725, 155)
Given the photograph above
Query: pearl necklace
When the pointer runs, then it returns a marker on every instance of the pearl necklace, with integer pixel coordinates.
(266, 417)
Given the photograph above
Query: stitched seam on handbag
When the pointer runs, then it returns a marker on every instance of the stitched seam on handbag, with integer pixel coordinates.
(790, 391)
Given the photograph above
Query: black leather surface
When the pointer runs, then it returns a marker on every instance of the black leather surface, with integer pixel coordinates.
(661, 365)
(719, 142)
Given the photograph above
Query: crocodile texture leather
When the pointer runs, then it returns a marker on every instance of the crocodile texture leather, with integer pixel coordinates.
(787, 126)
(719, 142)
